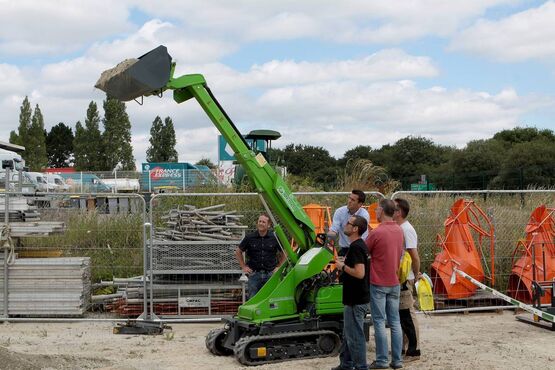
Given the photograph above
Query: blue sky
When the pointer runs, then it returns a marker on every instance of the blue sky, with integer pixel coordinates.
(326, 73)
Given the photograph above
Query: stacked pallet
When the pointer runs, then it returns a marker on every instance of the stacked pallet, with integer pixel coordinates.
(24, 220)
(47, 286)
(201, 224)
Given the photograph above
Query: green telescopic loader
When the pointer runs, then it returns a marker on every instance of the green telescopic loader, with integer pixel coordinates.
(298, 313)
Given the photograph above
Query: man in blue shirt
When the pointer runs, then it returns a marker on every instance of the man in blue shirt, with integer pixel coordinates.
(341, 218)
(264, 255)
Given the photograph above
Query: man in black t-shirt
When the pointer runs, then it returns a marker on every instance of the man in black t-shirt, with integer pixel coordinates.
(264, 255)
(356, 296)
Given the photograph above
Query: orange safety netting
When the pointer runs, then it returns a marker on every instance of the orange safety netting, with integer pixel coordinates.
(536, 254)
(459, 249)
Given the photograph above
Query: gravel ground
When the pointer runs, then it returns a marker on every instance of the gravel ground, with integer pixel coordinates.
(471, 341)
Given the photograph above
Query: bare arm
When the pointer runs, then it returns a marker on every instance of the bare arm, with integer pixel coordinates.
(281, 260)
(356, 272)
(239, 255)
(413, 252)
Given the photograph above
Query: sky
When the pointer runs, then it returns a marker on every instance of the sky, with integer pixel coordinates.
(334, 74)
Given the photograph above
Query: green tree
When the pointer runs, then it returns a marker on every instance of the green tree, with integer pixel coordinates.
(358, 152)
(524, 134)
(313, 163)
(205, 162)
(94, 144)
(153, 153)
(117, 136)
(474, 166)
(413, 156)
(162, 141)
(528, 164)
(25, 113)
(35, 148)
(169, 140)
(59, 146)
(80, 148)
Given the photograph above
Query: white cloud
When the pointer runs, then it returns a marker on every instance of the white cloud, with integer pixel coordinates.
(336, 103)
(522, 36)
(52, 27)
(351, 21)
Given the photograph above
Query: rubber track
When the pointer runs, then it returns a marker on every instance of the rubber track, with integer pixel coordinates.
(211, 344)
(241, 345)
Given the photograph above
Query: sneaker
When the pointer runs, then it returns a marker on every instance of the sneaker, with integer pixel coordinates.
(341, 368)
(395, 366)
(375, 365)
(409, 358)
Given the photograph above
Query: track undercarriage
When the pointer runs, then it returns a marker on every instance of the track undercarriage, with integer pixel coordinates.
(276, 342)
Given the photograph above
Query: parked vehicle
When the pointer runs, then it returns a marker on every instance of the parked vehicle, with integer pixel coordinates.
(85, 182)
(179, 175)
(57, 183)
(123, 185)
(27, 186)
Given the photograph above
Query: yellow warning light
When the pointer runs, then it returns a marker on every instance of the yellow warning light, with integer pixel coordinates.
(261, 351)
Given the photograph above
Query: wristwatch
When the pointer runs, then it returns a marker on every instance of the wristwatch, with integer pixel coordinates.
(343, 268)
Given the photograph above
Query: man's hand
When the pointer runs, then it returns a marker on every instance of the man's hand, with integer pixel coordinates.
(247, 269)
(418, 276)
(339, 263)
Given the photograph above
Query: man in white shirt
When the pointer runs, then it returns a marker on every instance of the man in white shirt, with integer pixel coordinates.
(341, 217)
(407, 313)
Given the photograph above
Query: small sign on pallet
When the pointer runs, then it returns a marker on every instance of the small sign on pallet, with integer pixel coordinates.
(187, 302)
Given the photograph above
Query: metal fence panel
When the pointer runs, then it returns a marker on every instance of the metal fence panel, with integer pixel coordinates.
(60, 242)
(508, 211)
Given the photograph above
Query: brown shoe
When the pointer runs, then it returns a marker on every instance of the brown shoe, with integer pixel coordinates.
(407, 358)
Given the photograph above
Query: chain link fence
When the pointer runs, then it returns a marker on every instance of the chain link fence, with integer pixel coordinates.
(507, 210)
(59, 249)
(91, 252)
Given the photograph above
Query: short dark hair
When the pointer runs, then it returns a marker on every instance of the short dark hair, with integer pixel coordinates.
(360, 194)
(361, 223)
(267, 217)
(388, 207)
(403, 206)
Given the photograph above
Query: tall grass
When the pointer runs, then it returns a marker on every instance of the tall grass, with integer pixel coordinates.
(113, 242)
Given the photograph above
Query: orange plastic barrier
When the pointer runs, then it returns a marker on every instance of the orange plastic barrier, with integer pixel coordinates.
(458, 248)
(537, 250)
(320, 216)
(373, 222)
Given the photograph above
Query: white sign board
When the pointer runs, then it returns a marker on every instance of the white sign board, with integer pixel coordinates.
(194, 302)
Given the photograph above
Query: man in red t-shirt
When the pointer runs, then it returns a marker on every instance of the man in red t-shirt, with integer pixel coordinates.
(385, 247)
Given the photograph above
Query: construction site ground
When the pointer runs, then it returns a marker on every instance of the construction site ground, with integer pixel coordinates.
(456, 341)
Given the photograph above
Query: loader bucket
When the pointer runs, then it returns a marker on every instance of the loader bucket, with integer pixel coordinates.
(460, 250)
(133, 78)
(536, 256)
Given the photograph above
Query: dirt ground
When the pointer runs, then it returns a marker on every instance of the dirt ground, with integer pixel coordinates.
(457, 341)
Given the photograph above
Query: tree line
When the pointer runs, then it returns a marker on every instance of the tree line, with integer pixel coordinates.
(87, 148)
(519, 158)
(511, 159)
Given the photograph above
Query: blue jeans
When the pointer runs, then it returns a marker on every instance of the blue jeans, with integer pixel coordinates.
(384, 303)
(353, 347)
(257, 279)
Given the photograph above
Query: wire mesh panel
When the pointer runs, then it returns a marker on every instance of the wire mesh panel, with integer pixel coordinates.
(443, 246)
(65, 243)
(192, 251)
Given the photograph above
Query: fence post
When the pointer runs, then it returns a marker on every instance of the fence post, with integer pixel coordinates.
(81, 181)
(183, 176)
